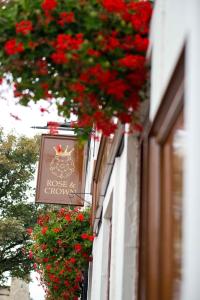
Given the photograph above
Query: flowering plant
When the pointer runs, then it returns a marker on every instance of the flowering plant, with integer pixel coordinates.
(88, 55)
(62, 243)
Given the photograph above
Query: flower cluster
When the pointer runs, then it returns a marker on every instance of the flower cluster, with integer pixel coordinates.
(61, 251)
(88, 55)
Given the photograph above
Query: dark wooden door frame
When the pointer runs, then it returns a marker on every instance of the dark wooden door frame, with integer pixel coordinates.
(152, 141)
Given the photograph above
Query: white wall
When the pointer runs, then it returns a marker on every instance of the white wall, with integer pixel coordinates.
(191, 217)
(120, 204)
(168, 34)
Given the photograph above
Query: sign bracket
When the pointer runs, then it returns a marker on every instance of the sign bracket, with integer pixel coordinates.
(80, 197)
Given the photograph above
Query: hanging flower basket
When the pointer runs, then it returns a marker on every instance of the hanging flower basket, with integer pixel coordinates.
(88, 55)
(62, 244)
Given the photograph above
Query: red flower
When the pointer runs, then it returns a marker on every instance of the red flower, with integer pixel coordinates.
(48, 5)
(117, 88)
(68, 217)
(125, 118)
(44, 230)
(65, 18)
(140, 44)
(132, 61)
(56, 230)
(93, 52)
(141, 15)
(112, 42)
(84, 236)
(72, 260)
(43, 247)
(67, 42)
(35, 266)
(59, 242)
(48, 267)
(45, 259)
(30, 254)
(138, 78)
(45, 85)
(77, 87)
(13, 47)
(91, 238)
(59, 57)
(55, 287)
(133, 101)
(1, 80)
(77, 247)
(24, 27)
(67, 283)
(114, 5)
(80, 217)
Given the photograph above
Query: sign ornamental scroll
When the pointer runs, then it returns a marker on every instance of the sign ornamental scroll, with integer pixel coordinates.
(61, 171)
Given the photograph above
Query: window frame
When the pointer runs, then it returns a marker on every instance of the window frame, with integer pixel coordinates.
(150, 280)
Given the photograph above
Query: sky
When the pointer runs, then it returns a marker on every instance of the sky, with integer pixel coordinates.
(19, 119)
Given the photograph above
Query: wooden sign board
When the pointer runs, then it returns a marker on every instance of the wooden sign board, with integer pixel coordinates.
(61, 171)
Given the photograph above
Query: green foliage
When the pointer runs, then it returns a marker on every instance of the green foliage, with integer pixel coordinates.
(18, 158)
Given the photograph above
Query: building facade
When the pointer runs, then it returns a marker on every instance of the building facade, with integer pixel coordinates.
(145, 189)
(19, 290)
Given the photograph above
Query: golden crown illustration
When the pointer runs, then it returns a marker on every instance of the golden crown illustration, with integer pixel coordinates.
(59, 151)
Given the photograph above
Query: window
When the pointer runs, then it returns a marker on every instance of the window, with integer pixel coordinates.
(162, 158)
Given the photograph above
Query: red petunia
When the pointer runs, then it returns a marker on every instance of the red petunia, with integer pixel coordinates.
(72, 260)
(44, 230)
(117, 88)
(67, 284)
(12, 47)
(91, 238)
(65, 18)
(114, 5)
(48, 267)
(77, 87)
(132, 61)
(84, 236)
(49, 5)
(68, 217)
(141, 15)
(80, 217)
(56, 230)
(125, 118)
(140, 44)
(30, 255)
(24, 27)
(132, 101)
(67, 42)
(77, 247)
(59, 57)
(93, 52)
(138, 78)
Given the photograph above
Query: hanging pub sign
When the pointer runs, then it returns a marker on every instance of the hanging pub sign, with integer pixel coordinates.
(61, 171)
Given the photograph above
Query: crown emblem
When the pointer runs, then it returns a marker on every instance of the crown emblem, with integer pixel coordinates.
(61, 152)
